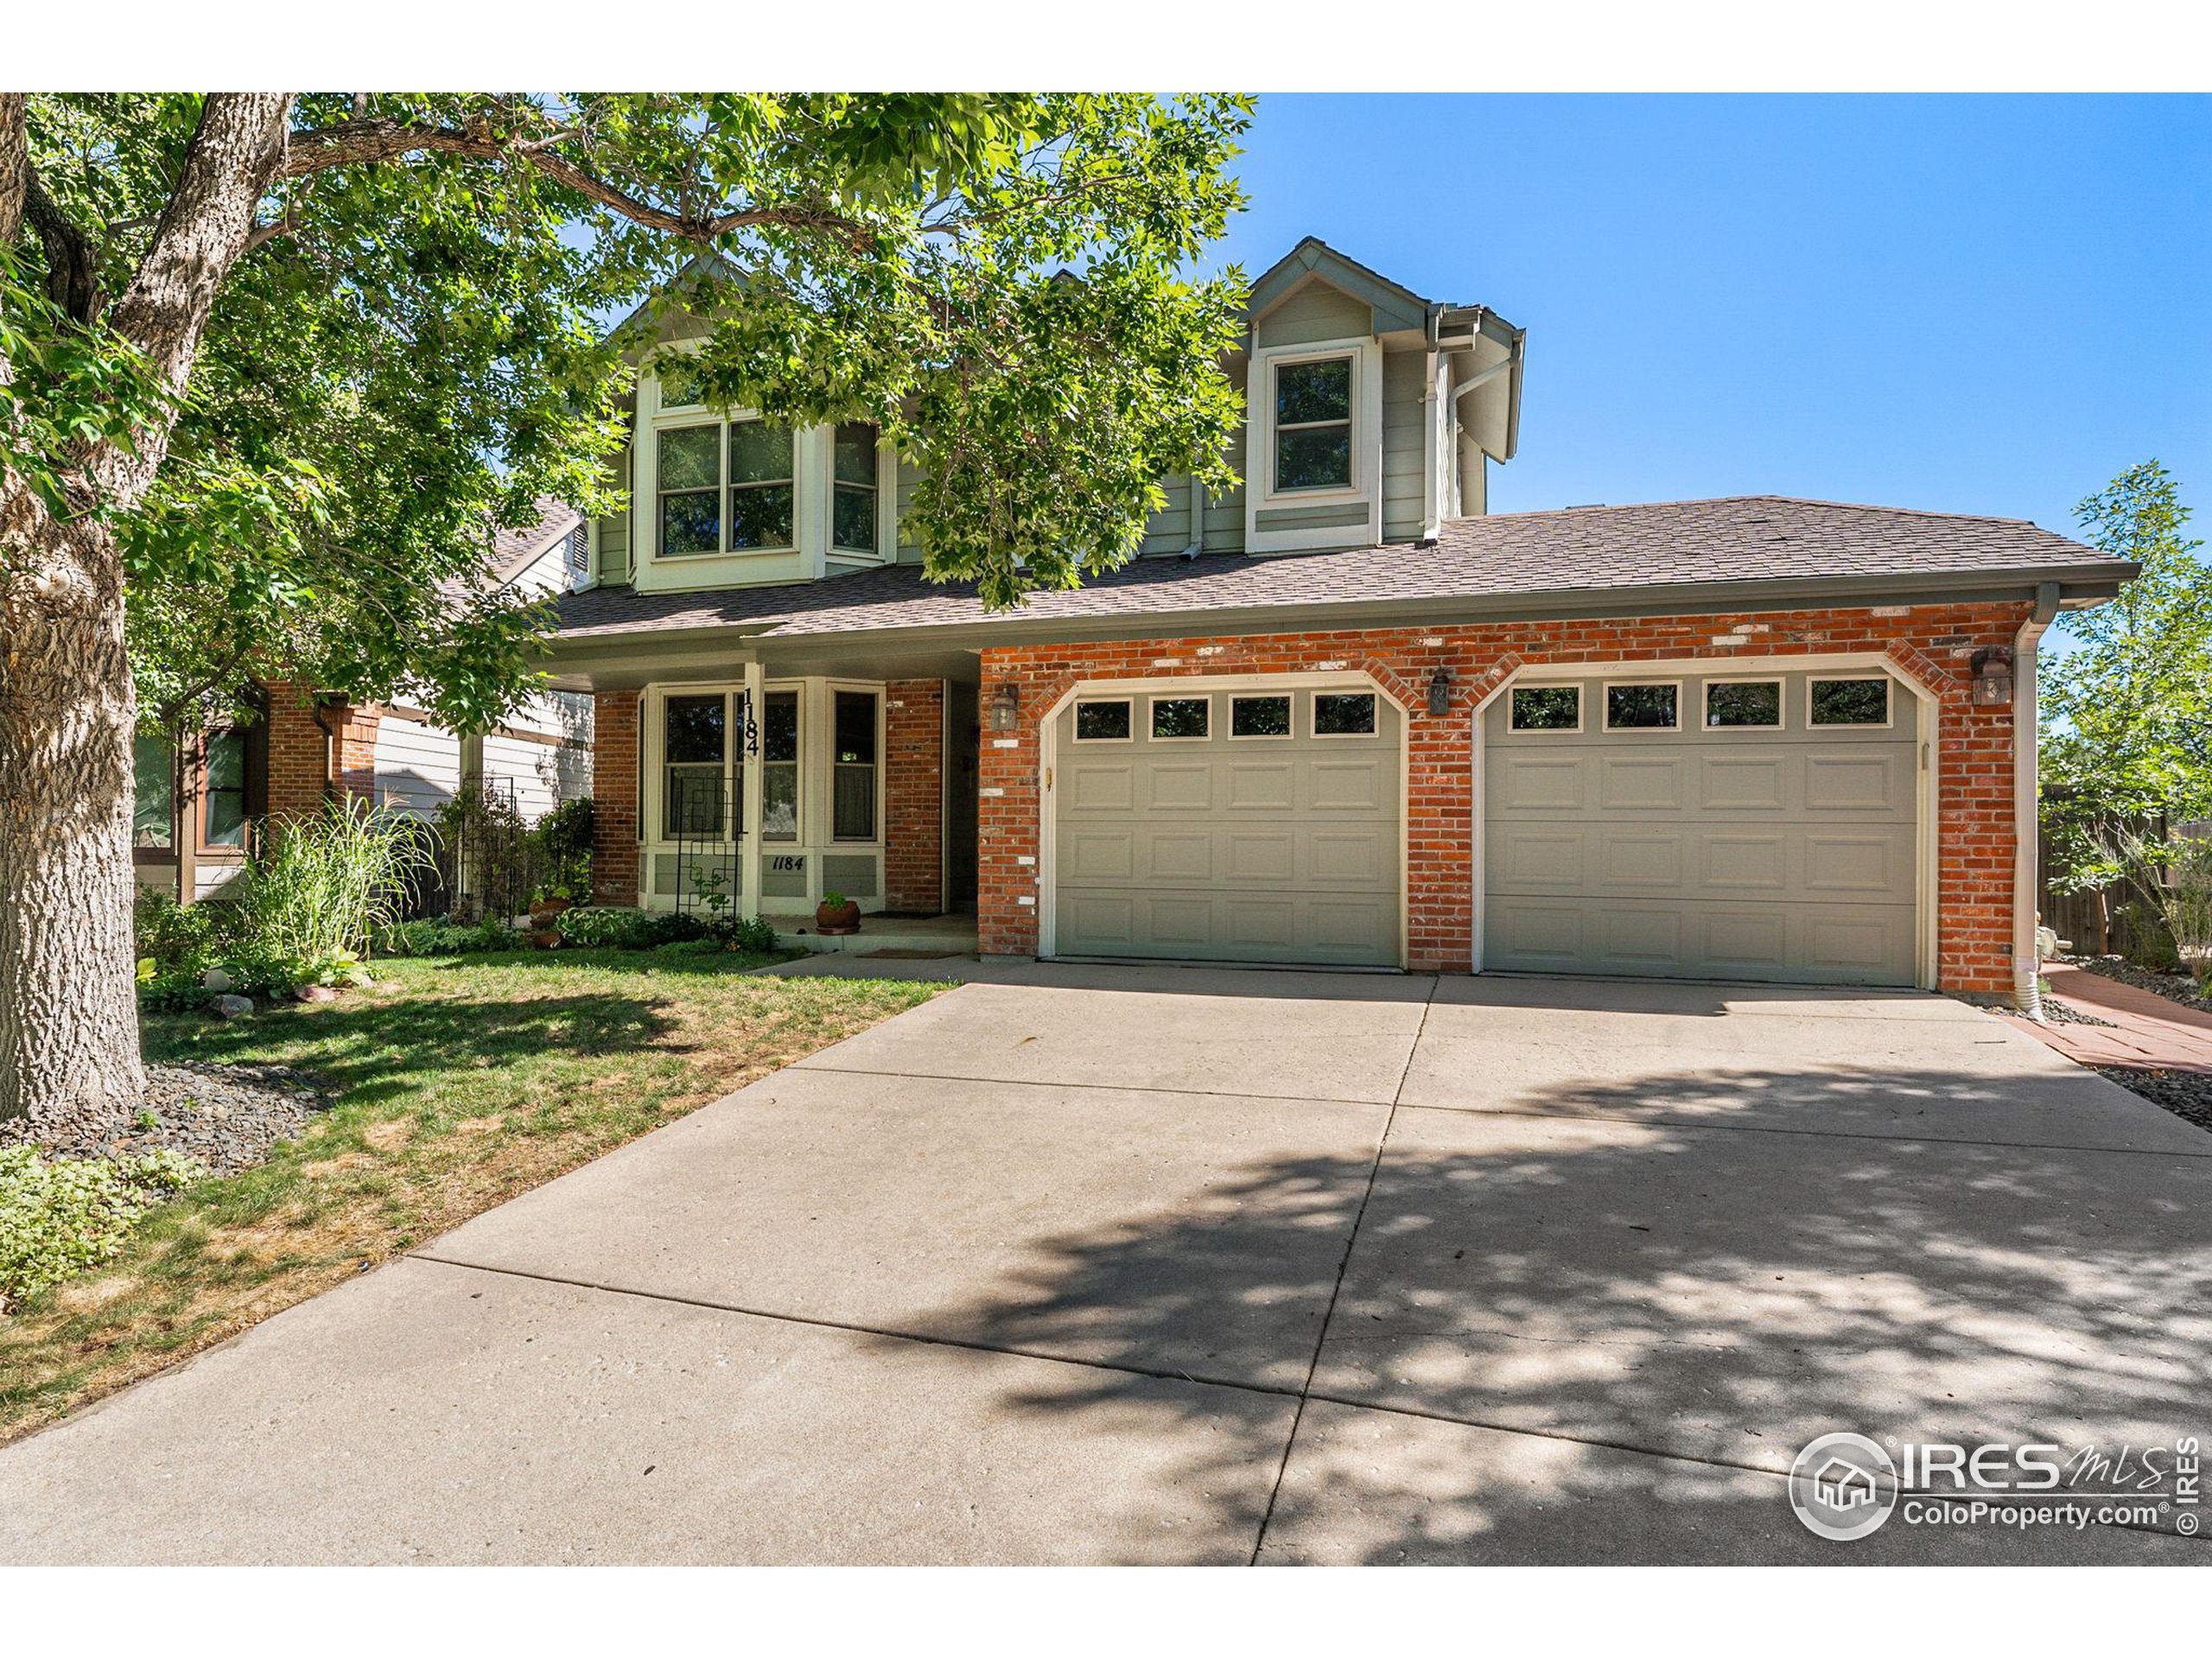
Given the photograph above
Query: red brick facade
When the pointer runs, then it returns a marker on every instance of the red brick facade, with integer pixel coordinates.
(913, 797)
(309, 759)
(299, 754)
(615, 797)
(1933, 644)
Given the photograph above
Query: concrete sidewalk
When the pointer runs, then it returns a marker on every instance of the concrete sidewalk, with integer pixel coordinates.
(1113, 1264)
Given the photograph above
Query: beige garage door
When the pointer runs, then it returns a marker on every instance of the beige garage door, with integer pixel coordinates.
(1740, 826)
(1258, 825)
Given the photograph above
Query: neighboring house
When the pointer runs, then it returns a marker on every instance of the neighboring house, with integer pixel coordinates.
(200, 804)
(1341, 716)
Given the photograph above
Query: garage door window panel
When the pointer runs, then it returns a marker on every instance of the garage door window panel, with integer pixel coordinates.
(1180, 720)
(1863, 702)
(1546, 709)
(1106, 720)
(1644, 706)
(1259, 717)
(1344, 714)
(1743, 705)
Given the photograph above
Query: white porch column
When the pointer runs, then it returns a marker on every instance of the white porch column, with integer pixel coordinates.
(748, 901)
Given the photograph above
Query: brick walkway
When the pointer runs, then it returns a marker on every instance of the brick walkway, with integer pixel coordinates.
(2147, 1030)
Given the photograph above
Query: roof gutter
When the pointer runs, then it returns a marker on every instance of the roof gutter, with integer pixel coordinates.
(2086, 582)
(2027, 989)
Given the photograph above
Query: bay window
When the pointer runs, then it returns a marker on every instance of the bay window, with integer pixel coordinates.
(690, 490)
(853, 488)
(759, 486)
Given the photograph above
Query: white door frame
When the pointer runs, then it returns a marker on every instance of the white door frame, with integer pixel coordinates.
(1304, 680)
(1927, 865)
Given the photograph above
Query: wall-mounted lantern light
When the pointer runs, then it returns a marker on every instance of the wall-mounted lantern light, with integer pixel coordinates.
(1006, 707)
(1439, 692)
(1992, 678)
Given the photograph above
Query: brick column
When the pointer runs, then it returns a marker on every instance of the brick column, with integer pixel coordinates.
(913, 798)
(299, 752)
(355, 771)
(615, 797)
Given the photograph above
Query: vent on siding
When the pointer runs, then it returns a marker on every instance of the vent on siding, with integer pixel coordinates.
(850, 873)
(579, 556)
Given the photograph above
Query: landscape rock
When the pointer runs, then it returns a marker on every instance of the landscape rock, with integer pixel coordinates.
(230, 1008)
(225, 1116)
(214, 980)
(316, 993)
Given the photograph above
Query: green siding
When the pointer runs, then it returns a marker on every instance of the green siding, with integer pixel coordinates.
(1316, 311)
(1402, 415)
(1347, 516)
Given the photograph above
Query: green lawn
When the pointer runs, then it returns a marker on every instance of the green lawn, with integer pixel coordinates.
(463, 1081)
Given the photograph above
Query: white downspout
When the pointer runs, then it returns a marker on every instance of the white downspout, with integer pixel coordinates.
(1198, 542)
(2027, 994)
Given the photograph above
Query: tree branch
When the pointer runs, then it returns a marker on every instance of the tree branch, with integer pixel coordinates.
(353, 143)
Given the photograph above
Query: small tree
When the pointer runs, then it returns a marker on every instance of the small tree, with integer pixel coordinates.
(2126, 715)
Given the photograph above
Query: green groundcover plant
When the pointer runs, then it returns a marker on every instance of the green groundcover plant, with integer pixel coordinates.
(60, 1216)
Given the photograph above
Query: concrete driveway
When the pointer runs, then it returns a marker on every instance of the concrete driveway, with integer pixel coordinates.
(1188, 1264)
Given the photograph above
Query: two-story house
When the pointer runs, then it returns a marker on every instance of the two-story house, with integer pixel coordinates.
(1342, 717)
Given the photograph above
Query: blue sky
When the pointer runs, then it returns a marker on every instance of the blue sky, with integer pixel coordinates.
(1974, 304)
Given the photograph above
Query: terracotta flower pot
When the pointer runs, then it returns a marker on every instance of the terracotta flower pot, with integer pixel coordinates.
(846, 920)
(545, 910)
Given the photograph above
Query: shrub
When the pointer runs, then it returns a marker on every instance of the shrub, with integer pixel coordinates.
(176, 936)
(562, 840)
(60, 1216)
(435, 936)
(327, 883)
(750, 935)
(610, 927)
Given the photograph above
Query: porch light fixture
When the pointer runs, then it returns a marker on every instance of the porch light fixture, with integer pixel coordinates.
(1006, 707)
(1992, 678)
(1440, 692)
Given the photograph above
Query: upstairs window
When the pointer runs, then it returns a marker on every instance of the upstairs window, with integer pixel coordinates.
(759, 486)
(852, 506)
(690, 491)
(1312, 420)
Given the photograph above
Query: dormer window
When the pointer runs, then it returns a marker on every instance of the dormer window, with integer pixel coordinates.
(1313, 415)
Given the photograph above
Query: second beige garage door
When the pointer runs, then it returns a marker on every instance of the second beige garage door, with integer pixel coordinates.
(1739, 826)
(1253, 825)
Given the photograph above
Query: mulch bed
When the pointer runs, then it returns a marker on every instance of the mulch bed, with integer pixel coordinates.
(2175, 987)
(225, 1116)
(2187, 1095)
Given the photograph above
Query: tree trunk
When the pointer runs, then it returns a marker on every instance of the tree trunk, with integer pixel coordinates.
(68, 995)
(68, 1000)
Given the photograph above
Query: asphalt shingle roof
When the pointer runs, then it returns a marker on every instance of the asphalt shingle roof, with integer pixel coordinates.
(1578, 550)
